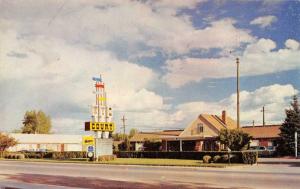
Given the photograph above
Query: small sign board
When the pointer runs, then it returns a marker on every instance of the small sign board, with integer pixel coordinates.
(90, 149)
(88, 140)
(100, 126)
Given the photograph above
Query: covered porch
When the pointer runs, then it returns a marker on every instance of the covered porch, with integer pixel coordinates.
(191, 144)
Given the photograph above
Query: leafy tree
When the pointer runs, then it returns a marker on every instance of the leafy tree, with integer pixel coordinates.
(125, 145)
(119, 136)
(288, 128)
(234, 139)
(6, 142)
(132, 132)
(36, 123)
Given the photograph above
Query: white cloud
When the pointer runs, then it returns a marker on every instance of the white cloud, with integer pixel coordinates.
(257, 59)
(264, 21)
(276, 98)
(121, 24)
(56, 77)
(261, 46)
(292, 44)
(220, 34)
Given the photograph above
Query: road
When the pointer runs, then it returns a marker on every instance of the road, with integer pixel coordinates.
(270, 174)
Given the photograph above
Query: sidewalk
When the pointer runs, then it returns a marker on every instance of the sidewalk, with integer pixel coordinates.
(278, 161)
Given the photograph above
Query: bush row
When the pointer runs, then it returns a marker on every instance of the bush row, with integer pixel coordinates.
(55, 155)
(40, 155)
(248, 157)
(14, 156)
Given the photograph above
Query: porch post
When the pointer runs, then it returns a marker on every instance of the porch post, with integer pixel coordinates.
(166, 145)
(180, 145)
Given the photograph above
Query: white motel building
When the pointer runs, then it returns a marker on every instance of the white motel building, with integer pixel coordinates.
(47, 142)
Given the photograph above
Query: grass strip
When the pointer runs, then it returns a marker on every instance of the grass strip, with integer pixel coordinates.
(137, 161)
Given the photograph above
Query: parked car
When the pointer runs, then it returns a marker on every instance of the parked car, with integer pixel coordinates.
(264, 151)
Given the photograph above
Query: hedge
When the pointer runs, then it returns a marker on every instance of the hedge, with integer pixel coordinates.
(55, 155)
(247, 157)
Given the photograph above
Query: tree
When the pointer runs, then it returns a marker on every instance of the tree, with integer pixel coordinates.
(290, 125)
(6, 142)
(36, 123)
(132, 132)
(125, 145)
(234, 139)
(119, 136)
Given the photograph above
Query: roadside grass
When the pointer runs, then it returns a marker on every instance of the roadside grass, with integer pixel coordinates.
(160, 162)
(138, 161)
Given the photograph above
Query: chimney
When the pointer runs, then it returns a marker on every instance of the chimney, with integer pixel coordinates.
(224, 116)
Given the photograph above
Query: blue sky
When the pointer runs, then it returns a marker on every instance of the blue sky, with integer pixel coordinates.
(164, 62)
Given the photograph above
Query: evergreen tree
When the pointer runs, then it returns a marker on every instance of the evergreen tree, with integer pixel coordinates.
(36, 123)
(288, 128)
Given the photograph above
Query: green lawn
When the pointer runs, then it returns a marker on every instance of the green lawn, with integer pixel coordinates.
(137, 161)
(163, 162)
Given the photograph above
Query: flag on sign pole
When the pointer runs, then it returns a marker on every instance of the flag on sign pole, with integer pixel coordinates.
(97, 79)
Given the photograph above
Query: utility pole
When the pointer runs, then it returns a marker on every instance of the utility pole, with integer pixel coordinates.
(124, 126)
(296, 144)
(237, 93)
(263, 111)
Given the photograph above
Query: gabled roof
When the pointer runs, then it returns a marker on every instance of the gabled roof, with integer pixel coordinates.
(217, 122)
(213, 121)
(267, 131)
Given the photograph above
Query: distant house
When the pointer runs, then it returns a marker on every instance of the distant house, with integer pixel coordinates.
(47, 142)
(200, 135)
(139, 138)
(267, 135)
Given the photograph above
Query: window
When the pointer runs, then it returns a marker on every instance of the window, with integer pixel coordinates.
(200, 128)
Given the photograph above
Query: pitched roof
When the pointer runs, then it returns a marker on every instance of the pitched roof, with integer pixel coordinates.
(138, 137)
(216, 121)
(142, 136)
(213, 121)
(171, 132)
(267, 131)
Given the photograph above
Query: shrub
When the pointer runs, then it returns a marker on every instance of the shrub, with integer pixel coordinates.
(216, 159)
(250, 157)
(206, 159)
(225, 158)
(14, 156)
